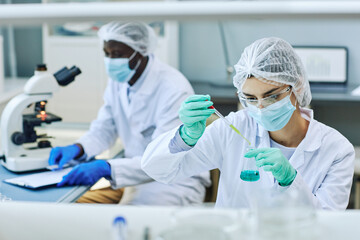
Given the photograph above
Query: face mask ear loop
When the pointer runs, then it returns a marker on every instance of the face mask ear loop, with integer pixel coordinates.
(295, 98)
(137, 65)
(138, 62)
(132, 55)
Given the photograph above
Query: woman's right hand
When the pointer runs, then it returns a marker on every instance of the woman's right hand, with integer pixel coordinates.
(193, 113)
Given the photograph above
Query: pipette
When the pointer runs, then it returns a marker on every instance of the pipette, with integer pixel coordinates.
(229, 123)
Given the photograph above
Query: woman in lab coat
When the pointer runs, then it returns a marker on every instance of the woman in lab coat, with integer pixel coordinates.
(141, 101)
(292, 150)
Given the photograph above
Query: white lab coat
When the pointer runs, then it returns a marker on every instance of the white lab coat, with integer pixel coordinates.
(153, 110)
(324, 161)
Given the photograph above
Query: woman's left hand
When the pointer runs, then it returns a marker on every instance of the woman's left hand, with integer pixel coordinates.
(272, 159)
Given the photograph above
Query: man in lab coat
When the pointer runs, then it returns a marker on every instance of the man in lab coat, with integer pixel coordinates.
(141, 102)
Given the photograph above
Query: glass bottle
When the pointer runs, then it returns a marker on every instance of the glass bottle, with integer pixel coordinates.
(250, 172)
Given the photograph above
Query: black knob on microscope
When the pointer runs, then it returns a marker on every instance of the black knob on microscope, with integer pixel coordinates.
(44, 144)
(18, 138)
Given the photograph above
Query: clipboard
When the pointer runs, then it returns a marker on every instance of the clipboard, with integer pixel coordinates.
(38, 180)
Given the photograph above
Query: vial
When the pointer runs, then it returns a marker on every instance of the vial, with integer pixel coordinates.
(119, 229)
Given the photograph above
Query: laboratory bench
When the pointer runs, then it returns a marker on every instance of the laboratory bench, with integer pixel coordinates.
(66, 194)
(25, 220)
(62, 134)
(356, 188)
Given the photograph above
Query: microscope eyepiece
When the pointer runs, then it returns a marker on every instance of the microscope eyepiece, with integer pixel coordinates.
(65, 76)
(75, 71)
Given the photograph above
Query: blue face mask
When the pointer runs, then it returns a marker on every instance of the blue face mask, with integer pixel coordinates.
(118, 68)
(275, 116)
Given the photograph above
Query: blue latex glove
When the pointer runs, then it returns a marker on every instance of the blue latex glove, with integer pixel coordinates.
(86, 173)
(193, 113)
(272, 159)
(62, 155)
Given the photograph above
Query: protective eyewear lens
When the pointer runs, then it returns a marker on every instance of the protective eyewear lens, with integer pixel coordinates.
(265, 102)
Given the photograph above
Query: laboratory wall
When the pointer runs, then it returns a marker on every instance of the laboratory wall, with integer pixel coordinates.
(202, 56)
(204, 61)
(207, 49)
(22, 46)
(1, 64)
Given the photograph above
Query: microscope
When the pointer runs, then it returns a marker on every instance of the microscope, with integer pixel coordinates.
(18, 135)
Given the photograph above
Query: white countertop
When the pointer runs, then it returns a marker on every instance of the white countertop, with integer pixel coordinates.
(24, 220)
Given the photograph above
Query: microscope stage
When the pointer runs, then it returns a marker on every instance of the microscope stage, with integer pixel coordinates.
(37, 119)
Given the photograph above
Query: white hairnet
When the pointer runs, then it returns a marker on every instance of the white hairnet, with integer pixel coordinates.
(273, 60)
(136, 35)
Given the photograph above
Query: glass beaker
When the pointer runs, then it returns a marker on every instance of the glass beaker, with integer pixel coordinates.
(250, 172)
(284, 215)
(188, 232)
(192, 223)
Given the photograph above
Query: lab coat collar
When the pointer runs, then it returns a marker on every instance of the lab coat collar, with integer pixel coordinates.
(143, 76)
(313, 137)
(150, 75)
(310, 143)
(140, 98)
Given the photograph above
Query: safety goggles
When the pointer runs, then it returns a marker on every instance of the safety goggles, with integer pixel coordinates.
(265, 102)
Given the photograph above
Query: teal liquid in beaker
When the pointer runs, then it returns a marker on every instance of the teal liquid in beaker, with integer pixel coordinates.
(250, 175)
(249, 172)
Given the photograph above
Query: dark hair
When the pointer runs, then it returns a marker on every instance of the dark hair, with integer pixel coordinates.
(250, 76)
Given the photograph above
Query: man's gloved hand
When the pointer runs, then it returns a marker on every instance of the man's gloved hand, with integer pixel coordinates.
(62, 155)
(193, 113)
(86, 173)
(272, 159)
